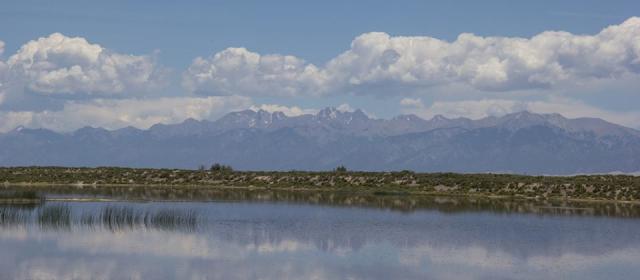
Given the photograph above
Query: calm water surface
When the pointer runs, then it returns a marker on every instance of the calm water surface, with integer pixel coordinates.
(278, 240)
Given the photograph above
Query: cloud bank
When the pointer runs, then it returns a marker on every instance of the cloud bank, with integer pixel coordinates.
(61, 65)
(63, 83)
(400, 64)
(239, 71)
(477, 109)
(119, 113)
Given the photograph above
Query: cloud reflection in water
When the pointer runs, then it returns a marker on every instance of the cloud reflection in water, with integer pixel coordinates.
(279, 241)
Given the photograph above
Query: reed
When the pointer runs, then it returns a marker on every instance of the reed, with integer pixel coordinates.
(54, 217)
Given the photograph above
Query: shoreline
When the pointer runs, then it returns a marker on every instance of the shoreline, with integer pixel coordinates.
(360, 192)
(583, 188)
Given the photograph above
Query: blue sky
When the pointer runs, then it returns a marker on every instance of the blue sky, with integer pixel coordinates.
(169, 35)
(313, 30)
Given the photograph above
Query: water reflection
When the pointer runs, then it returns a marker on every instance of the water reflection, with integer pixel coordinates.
(107, 216)
(404, 203)
(243, 240)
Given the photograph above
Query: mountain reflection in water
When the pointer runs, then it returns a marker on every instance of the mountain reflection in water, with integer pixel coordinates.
(269, 240)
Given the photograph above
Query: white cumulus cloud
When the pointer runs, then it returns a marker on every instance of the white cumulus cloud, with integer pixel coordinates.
(412, 102)
(58, 64)
(379, 62)
(239, 71)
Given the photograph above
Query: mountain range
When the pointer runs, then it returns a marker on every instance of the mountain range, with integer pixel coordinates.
(520, 142)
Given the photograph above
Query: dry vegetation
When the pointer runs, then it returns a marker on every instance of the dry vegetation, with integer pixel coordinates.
(607, 187)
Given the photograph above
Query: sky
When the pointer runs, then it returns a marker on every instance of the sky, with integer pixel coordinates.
(69, 64)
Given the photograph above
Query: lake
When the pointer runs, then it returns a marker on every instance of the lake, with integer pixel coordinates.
(236, 235)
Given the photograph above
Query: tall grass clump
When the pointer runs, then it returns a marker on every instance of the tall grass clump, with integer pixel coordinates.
(54, 217)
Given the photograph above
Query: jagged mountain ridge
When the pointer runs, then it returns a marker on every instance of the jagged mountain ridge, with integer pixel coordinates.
(521, 142)
(358, 123)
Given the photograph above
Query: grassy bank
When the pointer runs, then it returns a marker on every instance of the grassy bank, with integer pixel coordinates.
(588, 187)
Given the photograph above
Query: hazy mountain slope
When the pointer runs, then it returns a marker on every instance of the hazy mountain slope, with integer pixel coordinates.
(521, 143)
